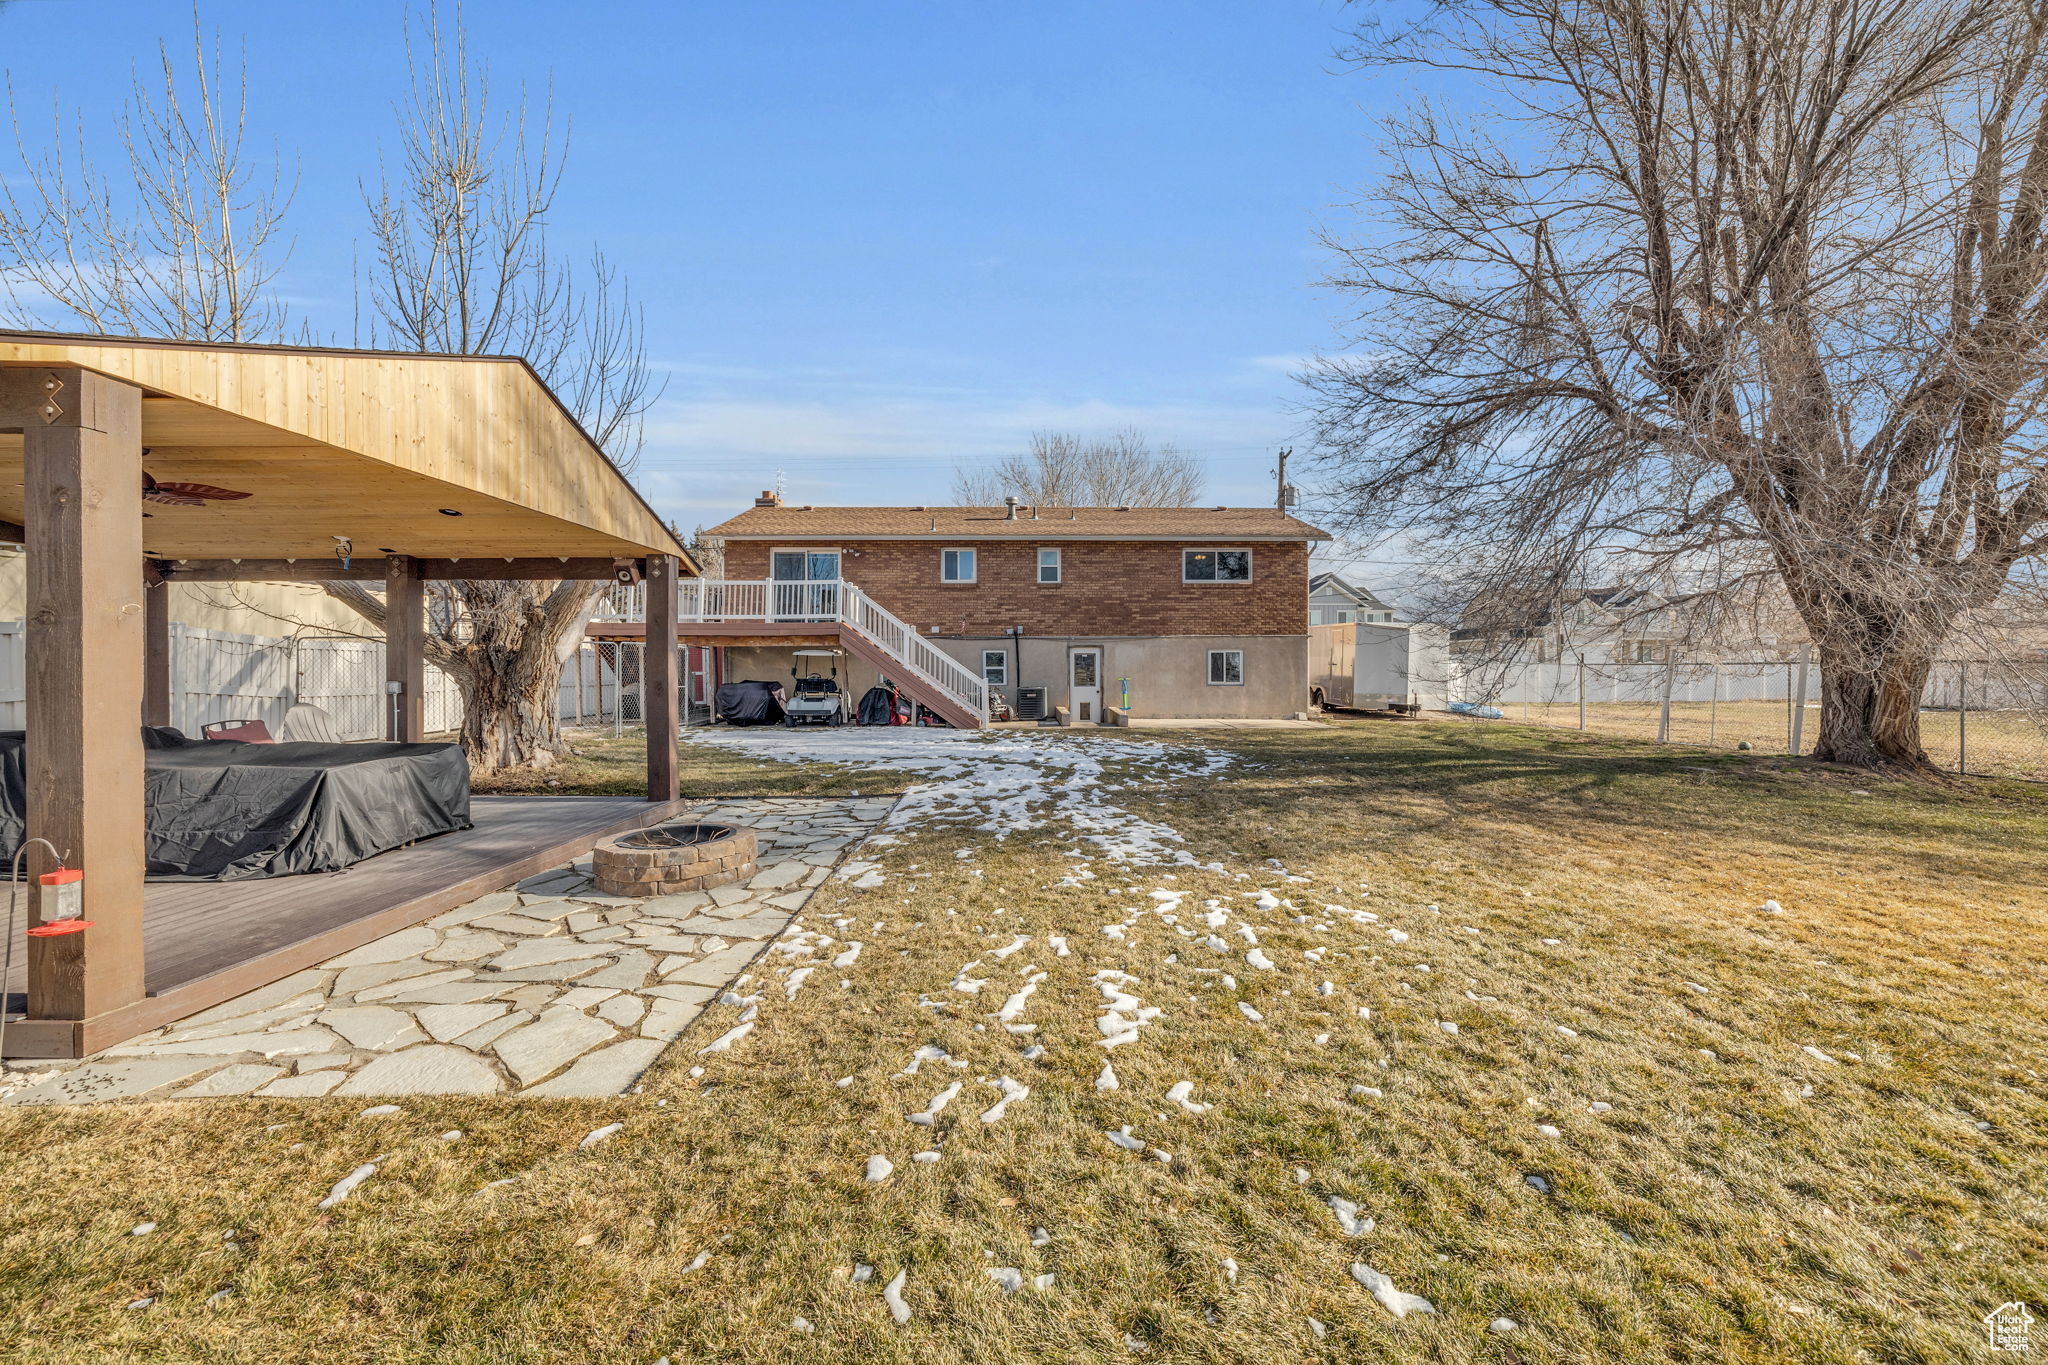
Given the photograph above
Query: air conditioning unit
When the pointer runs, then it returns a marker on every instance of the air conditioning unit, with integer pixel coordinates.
(1030, 703)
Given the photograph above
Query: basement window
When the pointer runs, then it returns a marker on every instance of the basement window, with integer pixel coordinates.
(995, 667)
(1226, 668)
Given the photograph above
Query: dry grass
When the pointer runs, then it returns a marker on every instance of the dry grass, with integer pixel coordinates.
(2010, 744)
(1716, 1214)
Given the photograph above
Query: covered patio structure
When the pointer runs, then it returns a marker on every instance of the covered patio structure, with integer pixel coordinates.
(384, 467)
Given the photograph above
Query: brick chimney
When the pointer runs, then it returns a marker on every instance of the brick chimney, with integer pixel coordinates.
(768, 498)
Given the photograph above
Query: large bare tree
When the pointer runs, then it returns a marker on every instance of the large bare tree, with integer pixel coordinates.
(462, 266)
(1064, 470)
(181, 238)
(1734, 289)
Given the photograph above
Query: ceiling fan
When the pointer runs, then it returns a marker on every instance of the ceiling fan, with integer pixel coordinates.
(173, 494)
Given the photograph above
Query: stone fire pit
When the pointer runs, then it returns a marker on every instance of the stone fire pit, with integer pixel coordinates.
(663, 860)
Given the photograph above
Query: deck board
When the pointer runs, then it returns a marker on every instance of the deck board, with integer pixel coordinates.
(198, 932)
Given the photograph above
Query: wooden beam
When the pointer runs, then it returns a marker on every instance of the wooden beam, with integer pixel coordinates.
(156, 647)
(405, 651)
(82, 496)
(370, 568)
(658, 679)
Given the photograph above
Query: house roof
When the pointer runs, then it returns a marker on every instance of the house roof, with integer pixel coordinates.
(1337, 583)
(1250, 524)
(428, 455)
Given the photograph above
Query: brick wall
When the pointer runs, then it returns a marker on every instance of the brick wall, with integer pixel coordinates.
(1107, 587)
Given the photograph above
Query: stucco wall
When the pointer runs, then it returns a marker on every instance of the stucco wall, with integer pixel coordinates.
(1169, 674)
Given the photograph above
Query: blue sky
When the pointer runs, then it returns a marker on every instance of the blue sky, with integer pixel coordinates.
(873, 238)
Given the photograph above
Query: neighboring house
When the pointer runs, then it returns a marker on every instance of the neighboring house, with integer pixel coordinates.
(1334, 601)
(1193, 612)
(1618, 625)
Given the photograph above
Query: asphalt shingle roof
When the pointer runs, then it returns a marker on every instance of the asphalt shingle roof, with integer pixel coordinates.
(992, 523)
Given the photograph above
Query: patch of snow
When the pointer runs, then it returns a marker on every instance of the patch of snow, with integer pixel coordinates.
(1391, 1299)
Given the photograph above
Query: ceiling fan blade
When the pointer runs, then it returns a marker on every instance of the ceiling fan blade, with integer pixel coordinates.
(160, 494)
(199, 490)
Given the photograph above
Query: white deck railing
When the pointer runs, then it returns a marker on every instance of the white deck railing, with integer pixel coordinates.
(718, 599)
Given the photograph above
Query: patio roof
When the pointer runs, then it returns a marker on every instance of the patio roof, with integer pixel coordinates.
(429, 466)
(365, 444)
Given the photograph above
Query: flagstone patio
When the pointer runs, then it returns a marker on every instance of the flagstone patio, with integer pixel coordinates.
(548, 988)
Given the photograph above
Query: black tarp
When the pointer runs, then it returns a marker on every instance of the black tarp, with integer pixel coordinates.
(750, 703)
(222, 810)
(878, 706)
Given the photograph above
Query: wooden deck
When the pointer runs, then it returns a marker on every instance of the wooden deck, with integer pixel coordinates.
(205, 942)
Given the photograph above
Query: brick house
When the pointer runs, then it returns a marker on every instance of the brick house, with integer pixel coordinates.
(1190, 612)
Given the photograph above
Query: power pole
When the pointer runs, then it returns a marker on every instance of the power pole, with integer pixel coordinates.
(1280, 500)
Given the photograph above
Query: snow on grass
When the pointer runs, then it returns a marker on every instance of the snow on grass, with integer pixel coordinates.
(1003, 782)
(346, 1186)
(1392, 1299)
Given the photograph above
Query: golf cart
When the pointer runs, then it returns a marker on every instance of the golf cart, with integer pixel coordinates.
(815, 699)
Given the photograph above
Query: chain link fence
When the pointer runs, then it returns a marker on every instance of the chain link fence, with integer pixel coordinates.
(602, 685)
(1985, 718)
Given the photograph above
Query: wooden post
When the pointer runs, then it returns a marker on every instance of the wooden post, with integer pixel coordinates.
(405, 650)
(82, 499)
(156, 647)
(658, 679)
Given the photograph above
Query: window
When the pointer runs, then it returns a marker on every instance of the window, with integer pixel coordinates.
(1048, 566)
(995, 667)
(1215, 566)
(956, 566)
(1226, 668)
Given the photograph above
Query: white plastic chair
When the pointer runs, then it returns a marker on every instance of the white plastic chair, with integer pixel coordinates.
(305, 723)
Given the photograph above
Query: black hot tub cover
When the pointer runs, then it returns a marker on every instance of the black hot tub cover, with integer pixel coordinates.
(222, 810)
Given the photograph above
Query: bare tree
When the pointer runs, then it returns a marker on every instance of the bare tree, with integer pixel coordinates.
(1745, 289)
(462, 266)
(1063, 470)
(181, 240)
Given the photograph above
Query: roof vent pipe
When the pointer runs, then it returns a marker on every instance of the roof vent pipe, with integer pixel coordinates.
(1010, 508)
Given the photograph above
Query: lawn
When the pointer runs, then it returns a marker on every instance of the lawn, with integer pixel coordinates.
(2008, 743)
(1737, 1199)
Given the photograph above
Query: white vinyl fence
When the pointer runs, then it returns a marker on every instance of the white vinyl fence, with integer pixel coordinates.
(220, 675)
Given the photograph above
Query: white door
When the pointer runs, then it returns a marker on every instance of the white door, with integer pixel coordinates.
(806, 586)
(1084, 684)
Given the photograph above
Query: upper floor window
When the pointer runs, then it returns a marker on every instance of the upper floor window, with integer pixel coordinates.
(1049, 565)
(1215, 566)
(956, 566)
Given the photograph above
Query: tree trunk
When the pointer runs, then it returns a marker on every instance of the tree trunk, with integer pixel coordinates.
(510, 669)
(1870, 704)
